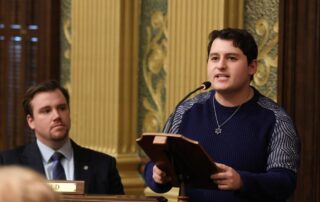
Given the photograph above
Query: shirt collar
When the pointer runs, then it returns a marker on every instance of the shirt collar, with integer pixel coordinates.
(47, 152)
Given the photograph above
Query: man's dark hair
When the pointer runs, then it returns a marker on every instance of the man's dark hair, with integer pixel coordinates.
(241, 39)
(47, 86)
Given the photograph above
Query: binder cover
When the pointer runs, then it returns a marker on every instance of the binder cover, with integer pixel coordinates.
(182, 158)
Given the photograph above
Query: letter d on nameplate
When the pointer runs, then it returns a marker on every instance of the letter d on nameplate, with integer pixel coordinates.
(67, 187)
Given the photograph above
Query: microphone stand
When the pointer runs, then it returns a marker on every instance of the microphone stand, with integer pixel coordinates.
(204, 86)
(183, 179)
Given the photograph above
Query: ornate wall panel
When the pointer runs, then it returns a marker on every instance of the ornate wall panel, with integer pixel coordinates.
(261, 18)
(152, 64)
(65, 42)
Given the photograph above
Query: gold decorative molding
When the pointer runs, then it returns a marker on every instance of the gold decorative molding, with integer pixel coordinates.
(65, 42)
(265, 60)
(67, 35)
(154, 69)
(261, 18)
(265, 77)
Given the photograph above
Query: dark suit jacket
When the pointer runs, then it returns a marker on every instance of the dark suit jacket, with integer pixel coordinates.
(101, 175)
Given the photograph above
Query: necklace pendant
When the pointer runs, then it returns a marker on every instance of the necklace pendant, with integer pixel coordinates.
(218, 131)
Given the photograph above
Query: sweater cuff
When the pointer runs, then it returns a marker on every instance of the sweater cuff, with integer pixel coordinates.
(159, 188)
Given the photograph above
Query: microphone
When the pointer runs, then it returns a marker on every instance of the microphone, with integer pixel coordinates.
(204, 86)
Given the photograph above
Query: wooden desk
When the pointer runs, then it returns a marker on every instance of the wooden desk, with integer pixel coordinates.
(109, 198)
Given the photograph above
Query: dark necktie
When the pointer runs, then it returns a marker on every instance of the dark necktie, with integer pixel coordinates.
(58, 171)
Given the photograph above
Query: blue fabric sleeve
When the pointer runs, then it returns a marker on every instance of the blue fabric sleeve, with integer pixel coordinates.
(277, 184)
(159, 188)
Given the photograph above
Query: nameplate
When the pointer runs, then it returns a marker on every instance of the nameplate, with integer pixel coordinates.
(68, 187)
(160, 140)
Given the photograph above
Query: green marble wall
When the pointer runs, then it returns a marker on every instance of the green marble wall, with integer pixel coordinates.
(261, 18)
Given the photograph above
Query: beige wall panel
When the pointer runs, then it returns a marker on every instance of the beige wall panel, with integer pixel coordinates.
(189, 23)
(128, 82)
(104, 82)
(95, 73)
(234, 13)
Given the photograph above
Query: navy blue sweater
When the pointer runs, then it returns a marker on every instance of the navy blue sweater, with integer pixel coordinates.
(259, 142)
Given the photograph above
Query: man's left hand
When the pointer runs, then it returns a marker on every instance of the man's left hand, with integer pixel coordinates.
(226, 178)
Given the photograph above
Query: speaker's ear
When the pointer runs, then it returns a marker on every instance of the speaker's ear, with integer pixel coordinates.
(30, 121)
(253, 66)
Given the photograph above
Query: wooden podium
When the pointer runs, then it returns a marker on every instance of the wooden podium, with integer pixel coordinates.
(110, 198)
(181, 158)
(73, 191)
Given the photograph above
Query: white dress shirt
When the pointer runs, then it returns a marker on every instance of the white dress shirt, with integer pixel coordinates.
(67, 162)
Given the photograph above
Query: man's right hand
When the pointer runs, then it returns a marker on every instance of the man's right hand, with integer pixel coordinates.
(160, 176)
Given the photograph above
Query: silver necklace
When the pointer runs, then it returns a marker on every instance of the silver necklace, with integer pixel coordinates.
(219, 130)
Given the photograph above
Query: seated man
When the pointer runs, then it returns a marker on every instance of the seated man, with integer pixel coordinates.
(54, 154)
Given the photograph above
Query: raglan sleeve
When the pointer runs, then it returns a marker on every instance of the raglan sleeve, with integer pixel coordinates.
(279, 181)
